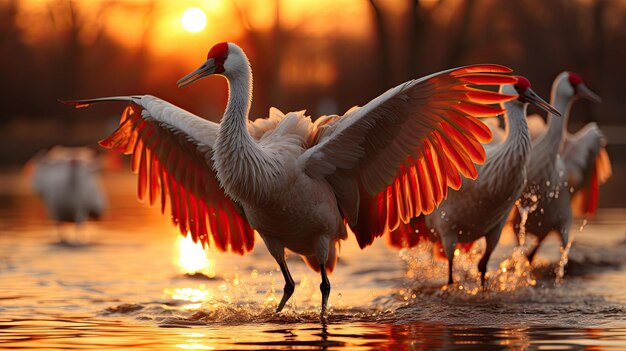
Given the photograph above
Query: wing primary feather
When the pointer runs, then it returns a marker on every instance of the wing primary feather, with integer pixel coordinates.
(142, 176)
(415, 190)
(481, 68)
(154, 185)
(451, 171)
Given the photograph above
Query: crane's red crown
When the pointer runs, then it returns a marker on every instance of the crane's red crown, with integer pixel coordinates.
(219, 54)
(574, 79)
(522, 84)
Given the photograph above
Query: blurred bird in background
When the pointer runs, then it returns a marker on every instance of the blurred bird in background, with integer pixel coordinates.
(67, 181)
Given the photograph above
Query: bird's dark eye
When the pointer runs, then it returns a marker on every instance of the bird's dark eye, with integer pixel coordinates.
(224, 56)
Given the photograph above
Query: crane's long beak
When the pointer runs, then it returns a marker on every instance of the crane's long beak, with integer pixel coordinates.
(207, 68)
(532, 98)
(583, 91)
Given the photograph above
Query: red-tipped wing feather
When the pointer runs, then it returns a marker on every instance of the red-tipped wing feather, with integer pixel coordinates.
(171, 165)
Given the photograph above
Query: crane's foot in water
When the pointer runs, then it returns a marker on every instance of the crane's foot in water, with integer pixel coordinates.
(325, 289)
(287, 292)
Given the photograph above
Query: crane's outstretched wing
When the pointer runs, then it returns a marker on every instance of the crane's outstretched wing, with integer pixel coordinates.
(395, 157)
(172, 153)
(587, 165)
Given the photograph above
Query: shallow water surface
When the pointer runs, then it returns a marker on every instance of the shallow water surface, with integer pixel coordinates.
(121, 283)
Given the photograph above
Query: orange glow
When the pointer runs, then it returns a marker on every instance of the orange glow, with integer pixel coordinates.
(191, 257)
(157, 24)
(303, 73)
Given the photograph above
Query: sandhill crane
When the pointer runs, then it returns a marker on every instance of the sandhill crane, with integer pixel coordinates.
(67, 180)
(586, 161)
(481, 207)
(297, 182)
(560, 164)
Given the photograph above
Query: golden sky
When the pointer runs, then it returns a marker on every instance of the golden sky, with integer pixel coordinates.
(160, 20)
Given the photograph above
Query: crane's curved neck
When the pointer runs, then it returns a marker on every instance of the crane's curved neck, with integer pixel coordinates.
(240, 163)
(235, 120)
(517, 144)
(505, 169)
(557, 126)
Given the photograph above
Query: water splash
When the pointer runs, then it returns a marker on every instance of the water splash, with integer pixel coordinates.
(425, 272)
(513, 274)
(560, 268)
(564, 258)
(523, 212)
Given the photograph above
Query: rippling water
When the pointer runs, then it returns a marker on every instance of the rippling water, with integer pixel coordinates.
(118, 284)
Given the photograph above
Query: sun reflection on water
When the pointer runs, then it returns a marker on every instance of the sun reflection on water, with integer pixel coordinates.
(191, 258)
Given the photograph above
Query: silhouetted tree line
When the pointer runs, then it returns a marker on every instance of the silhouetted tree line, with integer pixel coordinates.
(538, 38)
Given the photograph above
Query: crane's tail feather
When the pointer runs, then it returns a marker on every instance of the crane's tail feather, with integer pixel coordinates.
(87, 102)
(585, 202)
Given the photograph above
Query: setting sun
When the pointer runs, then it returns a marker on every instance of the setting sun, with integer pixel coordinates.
(193, 20)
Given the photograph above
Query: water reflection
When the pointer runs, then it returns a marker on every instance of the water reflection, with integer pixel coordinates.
(102, 334)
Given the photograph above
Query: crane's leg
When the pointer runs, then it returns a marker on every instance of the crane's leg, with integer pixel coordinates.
(565, 237)
(448, 242)
(277, 249)
(289, 286)
(492, 238)
(321, 245)
(533, 252)
(564, 232)
(324, 288)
